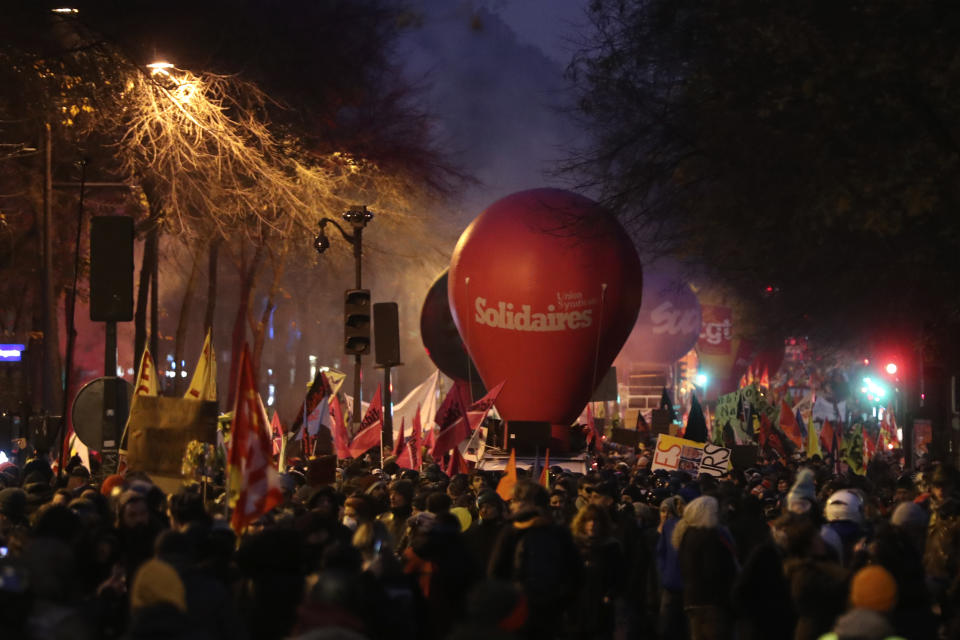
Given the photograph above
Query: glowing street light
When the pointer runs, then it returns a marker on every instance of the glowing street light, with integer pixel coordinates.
(702, 380)
(891, 368)
(160, 67)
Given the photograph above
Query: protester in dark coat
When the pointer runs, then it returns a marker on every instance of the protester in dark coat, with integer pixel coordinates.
(602, 556)
(709, 567)
(540, 557)
(482, 536)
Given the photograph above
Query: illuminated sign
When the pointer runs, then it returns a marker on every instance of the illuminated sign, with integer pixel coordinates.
(11, 352)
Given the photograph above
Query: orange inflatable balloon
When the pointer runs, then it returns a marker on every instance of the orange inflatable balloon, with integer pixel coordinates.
(544, 287)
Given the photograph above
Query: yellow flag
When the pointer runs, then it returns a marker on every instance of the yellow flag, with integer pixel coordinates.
(335, 379)
(813, 440)
(146, 383)
(203, 384)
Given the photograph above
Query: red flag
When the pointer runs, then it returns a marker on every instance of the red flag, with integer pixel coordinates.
(765, 378)
(457, 464)
(252, 477)
(593, 436)
(277, 430)
(827, 438)
(464, 421)
(417, 456)
(452, 419)
(341, 441)
(370, 429)
(509, 479)
(398, 446)
(789, 426)
(545, 473)
(319, 389)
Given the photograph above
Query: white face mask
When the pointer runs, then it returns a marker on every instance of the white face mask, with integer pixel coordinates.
(350, 523)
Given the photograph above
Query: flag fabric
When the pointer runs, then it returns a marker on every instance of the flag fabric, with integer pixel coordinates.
(593, 436)
(545, 473)
(276, 432)
(423, 397)
(765, 378)
(828, 439)
(371, 428)
(146, 383)
(667, 403)
(509, 480)
(457, 464)
(642, 427)
(410, 451)
(472, 448)
(465, 421)
(203, 383)
(801, 424)
(789, 426)
(770, 439)
(813, 442)
(255, 484)
(869, 448)
(399, 443)
(341, 441)
(853, 446)
(696, 424)
(417, 452)
(319, 389)
(451, 418)
(729, 436)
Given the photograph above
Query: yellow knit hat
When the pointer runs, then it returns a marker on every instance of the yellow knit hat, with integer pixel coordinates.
(157, 582)
(873, 588)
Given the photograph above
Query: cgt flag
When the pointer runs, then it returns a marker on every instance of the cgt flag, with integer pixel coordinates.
(254, 483)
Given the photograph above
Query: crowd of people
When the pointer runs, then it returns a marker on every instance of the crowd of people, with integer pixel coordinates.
(779, 550)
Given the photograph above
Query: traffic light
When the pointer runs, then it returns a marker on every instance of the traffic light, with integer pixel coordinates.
(356, 322)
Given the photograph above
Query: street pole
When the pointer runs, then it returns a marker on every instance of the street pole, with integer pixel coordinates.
(357, 217)
(357, 362)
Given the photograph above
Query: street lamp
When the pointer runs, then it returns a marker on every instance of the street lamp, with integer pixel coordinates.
(358, 217)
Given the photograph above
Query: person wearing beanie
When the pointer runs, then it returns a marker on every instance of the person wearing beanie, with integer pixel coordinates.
(873, 595)
(158, 604)
(802, 497)
(401, 508)
(482, 535)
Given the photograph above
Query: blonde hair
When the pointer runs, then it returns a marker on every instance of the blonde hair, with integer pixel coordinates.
(704, 512)
(587, 513)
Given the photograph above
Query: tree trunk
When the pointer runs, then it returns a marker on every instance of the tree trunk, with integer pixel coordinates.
(155, 305)
(147, 266)
(143, 295)
(180, 383)
(248, 276)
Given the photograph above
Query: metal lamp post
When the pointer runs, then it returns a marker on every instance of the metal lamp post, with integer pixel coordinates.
(357, 217)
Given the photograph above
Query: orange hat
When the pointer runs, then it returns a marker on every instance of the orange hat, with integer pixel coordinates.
(873, 588)
(112, 482)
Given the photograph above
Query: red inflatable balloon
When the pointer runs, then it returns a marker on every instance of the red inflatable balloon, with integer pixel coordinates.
(668, 324)
(544, 286)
